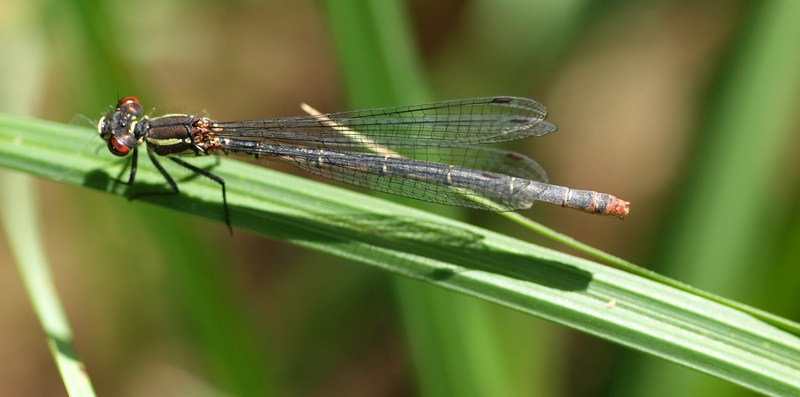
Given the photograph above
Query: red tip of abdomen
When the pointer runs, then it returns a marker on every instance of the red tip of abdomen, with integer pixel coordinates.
(617, 207)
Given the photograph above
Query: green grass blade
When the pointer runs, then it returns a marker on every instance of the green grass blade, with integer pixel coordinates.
(648, 316)
(780, 322)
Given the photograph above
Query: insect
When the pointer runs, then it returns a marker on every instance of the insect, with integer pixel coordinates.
(434, 154)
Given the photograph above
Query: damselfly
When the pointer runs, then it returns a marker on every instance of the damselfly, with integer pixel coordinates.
(435, 157)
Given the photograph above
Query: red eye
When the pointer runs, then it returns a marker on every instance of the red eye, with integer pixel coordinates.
(130, 106)
(117, 147)
(128, 99)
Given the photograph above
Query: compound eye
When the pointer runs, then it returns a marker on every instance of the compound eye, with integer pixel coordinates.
(128, 99)
(117, 148)
(130, 105)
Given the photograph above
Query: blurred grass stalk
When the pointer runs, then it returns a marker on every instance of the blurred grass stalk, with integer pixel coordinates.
(458, 344)
(381, 67)
(21, 84)
(728, 225)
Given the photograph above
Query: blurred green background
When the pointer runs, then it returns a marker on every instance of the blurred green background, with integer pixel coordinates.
(686, 109)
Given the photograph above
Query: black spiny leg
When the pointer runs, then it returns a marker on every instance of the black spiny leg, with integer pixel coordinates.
(132, 174)
(174, 186)
(171, 182)
(214, 178)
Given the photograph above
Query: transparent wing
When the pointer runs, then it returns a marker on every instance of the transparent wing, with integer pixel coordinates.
(449, 123)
